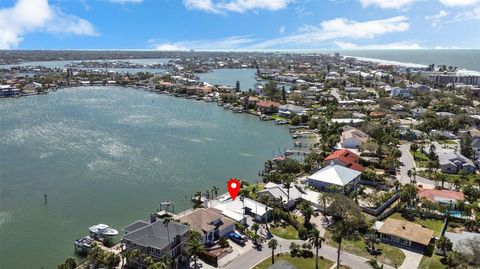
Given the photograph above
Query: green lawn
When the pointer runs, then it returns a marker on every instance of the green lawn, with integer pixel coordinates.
(287, 232)
(451, 142)
(430, 260)
(298, 262)
(450, 177)
(390, 255)
(420, 159)
(276, 117)
(433, 224)
(258, 187)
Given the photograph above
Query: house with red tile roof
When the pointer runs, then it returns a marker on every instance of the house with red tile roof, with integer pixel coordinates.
(268, 107)
(346, 158)
(444, 197)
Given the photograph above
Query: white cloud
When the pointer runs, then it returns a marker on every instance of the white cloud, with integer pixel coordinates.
(397, 4)
(473, 14)
(230, 43)
(340, 28)
(240, 6)
(37, 15)
(461, 3)
(302, 11)
(398, 45)
(169, 47)
(282, 29)
(447, 48)
(436, 19)
(125, 1)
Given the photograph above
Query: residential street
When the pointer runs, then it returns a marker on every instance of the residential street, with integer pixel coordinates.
(407, 163)
(253, 257)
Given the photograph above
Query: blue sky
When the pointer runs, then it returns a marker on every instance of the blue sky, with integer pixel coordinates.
(239, 24)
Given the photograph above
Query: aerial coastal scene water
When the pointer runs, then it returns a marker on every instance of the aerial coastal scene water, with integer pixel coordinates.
(239, 134)
(112, 155)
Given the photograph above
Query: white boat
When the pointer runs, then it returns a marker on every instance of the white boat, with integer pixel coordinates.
(103, 229)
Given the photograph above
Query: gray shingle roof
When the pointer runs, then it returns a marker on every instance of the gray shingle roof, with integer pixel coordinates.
(155, 234)
(136, 225)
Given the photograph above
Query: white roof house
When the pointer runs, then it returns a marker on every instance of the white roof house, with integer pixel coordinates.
(279, 192)
(234, 208)
(335, 175)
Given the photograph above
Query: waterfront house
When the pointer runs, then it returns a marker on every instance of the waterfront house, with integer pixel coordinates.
(404, 233)
(289, 109)
(279, 192)
(442, 197)
(253, 100)
(209, 222)
(156, 239)
(346, 158)
(350, 121)
(240, 207)
(334, 176)
(268, 107)
(8, 91)
(353, 138)
(32, 88)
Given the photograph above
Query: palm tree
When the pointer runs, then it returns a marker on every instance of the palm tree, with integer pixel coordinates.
(306, 210)
(135, 254)
(370, 240)
(444, 244)
(126, 255)
(315, 240)
(374, 264)
(158, 265)
(195, 246)
(150, 261)
(287, 184)
(198, 199)
(414, 174)
(456, 183)
(215, 190)
(461, 205)
(273, 244)
(255, 227)
(166, 222)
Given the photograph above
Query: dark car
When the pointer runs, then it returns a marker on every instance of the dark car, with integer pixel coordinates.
(236, 238)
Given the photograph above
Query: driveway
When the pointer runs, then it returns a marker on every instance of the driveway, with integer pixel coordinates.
(407, 163)
(412, 259)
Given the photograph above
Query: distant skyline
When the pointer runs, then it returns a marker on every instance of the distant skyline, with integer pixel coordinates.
(239, 24)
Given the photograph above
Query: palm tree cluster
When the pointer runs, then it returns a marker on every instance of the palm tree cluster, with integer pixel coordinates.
(195, 247)
(346, 220)
(70, 263)
(98, 258)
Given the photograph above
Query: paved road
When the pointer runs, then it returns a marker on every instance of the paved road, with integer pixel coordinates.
(253, 257)
(407, 163)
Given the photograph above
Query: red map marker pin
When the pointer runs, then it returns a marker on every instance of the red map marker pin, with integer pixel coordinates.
(233, 187)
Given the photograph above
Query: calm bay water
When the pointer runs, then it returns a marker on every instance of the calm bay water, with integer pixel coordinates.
(63, 64)
(110, 155)
(229, 77)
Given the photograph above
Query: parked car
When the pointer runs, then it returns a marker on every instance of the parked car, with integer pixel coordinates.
(236, 238)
